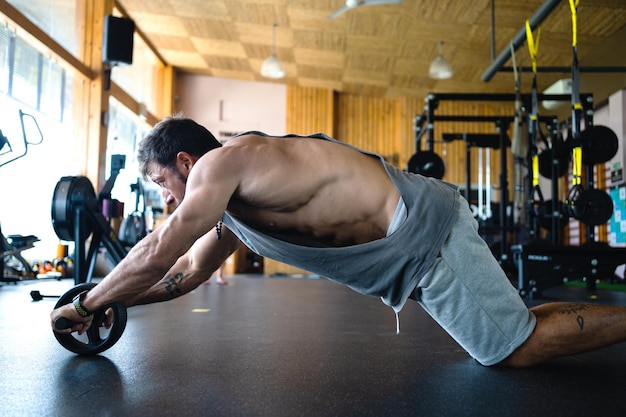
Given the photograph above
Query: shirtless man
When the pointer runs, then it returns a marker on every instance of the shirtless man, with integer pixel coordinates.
(347, 215)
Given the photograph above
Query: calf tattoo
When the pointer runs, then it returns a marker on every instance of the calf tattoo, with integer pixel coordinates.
(575, 309)
(171, 284)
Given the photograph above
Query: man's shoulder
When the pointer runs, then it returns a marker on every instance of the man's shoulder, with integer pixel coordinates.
(249, 138)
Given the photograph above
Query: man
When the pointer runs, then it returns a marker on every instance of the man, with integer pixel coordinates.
(345, 214)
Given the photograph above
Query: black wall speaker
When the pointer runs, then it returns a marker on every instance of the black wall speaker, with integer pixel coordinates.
(117, 43)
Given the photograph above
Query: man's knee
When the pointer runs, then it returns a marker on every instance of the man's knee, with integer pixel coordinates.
(530, 353)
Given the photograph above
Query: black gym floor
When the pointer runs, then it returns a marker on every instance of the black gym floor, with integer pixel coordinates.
(265, 346)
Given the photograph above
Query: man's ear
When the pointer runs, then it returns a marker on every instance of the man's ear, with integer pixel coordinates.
(185, 161)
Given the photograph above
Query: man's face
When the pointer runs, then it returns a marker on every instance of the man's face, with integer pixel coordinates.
(171, 181)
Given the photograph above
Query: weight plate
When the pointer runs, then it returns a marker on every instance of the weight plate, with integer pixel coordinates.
(562, 156)
(96, 339)
(428, 164)
(68, 192)
(600, 144)
(593, 207)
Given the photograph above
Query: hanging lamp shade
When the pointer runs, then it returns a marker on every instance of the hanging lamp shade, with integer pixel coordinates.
(440, 68)
(272, 67)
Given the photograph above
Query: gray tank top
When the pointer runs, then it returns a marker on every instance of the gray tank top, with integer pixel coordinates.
(390, 267)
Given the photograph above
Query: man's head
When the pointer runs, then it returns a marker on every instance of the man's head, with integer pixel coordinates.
(167, 153)
(169, 137)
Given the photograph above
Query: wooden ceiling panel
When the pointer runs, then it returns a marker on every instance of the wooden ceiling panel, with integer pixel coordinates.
(602, 22)
(356, 76)
(375, 24)
(378, 64)
(373, 45)
(227, 63)
(380, 50)
(176, 43)
(219, 48)
(162, 24)
(200, 27)
(245, 75)
(407, 82)
(410, 67)
(189, 60)
(313, 57)
(262, 34)
(319, 73)
(164, 7)
(215, 9)
(327, 41)
(254, 11)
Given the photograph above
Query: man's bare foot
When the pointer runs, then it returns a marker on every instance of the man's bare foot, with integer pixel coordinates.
(221, 281)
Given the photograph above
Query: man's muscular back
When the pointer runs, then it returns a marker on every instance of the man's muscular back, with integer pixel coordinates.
(312, 187)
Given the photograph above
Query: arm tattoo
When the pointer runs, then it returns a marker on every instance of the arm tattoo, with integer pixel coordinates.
(575, 309)
(171, 284)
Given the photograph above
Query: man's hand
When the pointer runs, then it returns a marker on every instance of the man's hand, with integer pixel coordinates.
(81, 324)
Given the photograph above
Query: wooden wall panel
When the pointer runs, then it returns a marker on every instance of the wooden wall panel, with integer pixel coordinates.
(410, 108)
(371, 124)
(310, 110)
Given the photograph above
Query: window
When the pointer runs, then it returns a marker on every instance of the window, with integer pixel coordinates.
(139, 79)
(32, 78)
(55, 17)
(6, 36)
(24, 81)
(125, 131)
(35, 84)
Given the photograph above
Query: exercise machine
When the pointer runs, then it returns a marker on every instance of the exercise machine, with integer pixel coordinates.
(542, 265)
(134, 226)
(77, 215)
(14, 266)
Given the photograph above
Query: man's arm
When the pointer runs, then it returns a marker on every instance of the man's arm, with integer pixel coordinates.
(209, 188)
(191, 269)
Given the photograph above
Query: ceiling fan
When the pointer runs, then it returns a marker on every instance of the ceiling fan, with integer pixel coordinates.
(352, 4)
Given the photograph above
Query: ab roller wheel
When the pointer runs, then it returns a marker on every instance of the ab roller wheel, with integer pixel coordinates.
(97, 338)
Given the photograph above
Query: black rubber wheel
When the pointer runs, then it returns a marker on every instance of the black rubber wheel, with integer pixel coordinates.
(97, 339)
(68, 192)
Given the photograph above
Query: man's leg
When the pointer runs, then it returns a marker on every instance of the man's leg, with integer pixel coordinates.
(569, 328)
(220, 276)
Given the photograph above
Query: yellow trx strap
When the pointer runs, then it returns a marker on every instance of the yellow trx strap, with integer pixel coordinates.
(577, 165)
(573, 5)
(535, 161)
(533, 46)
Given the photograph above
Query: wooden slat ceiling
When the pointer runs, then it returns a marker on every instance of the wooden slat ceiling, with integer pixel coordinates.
(381, 50)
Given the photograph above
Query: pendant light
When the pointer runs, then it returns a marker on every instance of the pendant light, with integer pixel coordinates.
(440, 69)
(272, 67)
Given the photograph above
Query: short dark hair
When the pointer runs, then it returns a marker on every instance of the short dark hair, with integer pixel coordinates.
(172, 135)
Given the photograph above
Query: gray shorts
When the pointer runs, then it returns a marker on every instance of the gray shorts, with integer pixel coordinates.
(468, 294)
